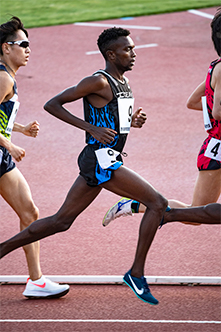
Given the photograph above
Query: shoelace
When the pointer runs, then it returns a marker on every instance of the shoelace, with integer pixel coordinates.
(145, 285)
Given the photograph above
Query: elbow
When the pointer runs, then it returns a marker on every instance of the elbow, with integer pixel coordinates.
(189, 103)
(48, 106)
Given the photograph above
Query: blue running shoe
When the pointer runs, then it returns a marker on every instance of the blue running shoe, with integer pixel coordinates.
(140, 288)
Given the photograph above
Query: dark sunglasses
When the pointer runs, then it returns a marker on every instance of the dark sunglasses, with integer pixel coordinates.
(20, 43)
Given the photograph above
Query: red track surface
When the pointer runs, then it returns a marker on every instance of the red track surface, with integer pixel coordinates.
(164, 152)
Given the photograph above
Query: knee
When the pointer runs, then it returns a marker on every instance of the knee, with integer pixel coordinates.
(160, 204)
(61, 224)
(29, 216)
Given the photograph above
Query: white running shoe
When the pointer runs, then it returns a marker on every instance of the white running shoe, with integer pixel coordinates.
(121, 208)
(44, 288)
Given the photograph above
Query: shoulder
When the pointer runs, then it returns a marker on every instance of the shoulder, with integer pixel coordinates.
(6, 83)
(216, 76)
(93, 83)
(217, 67)
(100, 80)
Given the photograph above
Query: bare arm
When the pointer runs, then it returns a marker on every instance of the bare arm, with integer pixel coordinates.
(194, 101)
(216, 85)
(31, 129)
(16, 151)
(6, 84)
(93, 86)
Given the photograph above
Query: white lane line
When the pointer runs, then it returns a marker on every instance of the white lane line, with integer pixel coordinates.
(101, 279)
(136, 47)
(139, 27)
(108, 321)
(199, 13)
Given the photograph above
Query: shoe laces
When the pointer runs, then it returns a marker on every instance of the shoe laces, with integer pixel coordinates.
(145, 285)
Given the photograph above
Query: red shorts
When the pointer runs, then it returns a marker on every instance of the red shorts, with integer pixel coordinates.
(205, 163)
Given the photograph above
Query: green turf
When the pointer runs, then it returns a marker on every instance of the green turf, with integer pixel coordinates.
(36, 13)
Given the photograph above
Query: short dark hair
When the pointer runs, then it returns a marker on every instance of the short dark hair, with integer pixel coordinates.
(109, 37)
(216, 31)
(9, 30)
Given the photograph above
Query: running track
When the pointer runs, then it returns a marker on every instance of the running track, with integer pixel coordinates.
(171, 60)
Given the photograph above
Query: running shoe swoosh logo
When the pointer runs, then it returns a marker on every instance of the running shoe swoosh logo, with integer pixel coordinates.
(41, 286)
(119, 208)
(139, 291)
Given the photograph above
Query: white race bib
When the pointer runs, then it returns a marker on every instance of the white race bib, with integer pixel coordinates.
(213, 150)
(106, 157)
(1, 156)
(207, 123)
(11, 121)
(125, 109)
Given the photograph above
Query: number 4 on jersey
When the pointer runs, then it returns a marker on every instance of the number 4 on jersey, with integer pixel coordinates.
(213, 150)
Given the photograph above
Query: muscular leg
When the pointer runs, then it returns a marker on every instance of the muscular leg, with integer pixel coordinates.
(129, 184)
(207, 187)
(78, 198)
(16, 192)
(207, 190)
(208, 214)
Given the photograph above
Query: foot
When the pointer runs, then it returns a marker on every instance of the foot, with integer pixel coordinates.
(121, 208)
(140, 288)
(44, 288)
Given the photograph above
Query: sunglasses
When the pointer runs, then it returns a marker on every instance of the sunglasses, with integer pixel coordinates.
(20, 43)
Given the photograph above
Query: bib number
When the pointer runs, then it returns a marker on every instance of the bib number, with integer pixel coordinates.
(207, 123)
(213, 150)
(125, 109)
(12, 118)
(106, 157)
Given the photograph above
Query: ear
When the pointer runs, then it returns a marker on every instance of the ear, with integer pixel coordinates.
(110, 55)
(5, 48)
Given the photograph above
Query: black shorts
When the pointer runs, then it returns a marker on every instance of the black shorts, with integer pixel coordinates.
(90, 168)
(6, 162)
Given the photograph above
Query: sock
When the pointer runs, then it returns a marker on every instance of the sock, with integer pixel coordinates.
(135, 207)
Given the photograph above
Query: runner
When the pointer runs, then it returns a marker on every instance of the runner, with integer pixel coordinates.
(108, 104)
(206, 98)
(14, 53)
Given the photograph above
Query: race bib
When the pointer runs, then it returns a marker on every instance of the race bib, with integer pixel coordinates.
(207, 123)
(12, 118)
(125, 109)
(213, 150)
(1, 156)
(106, 157)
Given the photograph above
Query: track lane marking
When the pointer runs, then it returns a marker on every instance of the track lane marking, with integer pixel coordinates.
(108, 321)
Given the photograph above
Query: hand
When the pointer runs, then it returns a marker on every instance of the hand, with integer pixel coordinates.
(138, 118)
(17, 152)
(103, 135)
(31, 129)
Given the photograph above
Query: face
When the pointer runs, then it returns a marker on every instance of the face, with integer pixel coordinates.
(19, 56)
(124, 53)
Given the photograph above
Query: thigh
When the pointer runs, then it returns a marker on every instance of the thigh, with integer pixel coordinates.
(16, 192)
(78, 198)
(207, 187)
(128, 183)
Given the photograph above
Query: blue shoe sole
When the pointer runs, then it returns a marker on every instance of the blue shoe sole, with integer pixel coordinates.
(138, 295)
